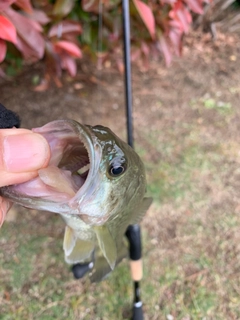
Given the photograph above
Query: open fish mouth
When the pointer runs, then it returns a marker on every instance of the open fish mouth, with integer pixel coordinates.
(74, 162)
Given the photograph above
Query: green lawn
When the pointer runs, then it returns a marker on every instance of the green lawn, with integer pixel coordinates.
(190, 236)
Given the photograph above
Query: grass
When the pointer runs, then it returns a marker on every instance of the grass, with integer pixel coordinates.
(190, 237)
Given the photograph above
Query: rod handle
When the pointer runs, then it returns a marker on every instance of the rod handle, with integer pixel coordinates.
(133, 234)
(137, 311)
(136, 269)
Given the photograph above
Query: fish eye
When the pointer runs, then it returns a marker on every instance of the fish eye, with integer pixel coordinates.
(116, 171)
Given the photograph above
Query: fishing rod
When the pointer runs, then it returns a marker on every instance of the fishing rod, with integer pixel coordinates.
(133, 232)
(127, 69)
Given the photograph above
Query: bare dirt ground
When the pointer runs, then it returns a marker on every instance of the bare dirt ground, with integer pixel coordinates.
(187, 124)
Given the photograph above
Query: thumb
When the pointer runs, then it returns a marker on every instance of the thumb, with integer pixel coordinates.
(22, 154)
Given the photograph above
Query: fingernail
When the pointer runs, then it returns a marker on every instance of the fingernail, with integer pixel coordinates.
(25, 152)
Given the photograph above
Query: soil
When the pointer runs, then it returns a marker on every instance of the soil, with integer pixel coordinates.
(199, 90)
(97, 96)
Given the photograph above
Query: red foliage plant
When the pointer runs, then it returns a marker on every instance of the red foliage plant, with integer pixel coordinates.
(34, 33)
(53, 30)
(157, 26)
(166, 22)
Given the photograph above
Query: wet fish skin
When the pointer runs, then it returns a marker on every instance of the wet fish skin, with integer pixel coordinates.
(97, 208)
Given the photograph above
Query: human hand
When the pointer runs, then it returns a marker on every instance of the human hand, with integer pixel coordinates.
(22, 154)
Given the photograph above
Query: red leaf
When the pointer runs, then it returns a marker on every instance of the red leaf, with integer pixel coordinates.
(29, 39)
(65, 27)
(52, 60)
(175, 24)
(147, 16)
(7, 30)
(120, 66)
(43, 86)
(195, 6)
(185, 19)
(69, 47)
(90, 5)
(27, 51)
(39, 16)
(188, 15)
(4, 4)
(63, 7)
(175, 36)
(2, 73)
(35, 25)
(69, 64)
(25, 5)
(135, 54)
(165, 48)
(167, 1)
(3, 50)
(145, 48)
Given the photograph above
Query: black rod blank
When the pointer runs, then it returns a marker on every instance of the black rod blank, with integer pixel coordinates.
(127, 73)
(133, 232)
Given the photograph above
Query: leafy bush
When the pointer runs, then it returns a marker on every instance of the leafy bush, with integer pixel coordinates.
(40, 32)
(57, 29)
(222, 14)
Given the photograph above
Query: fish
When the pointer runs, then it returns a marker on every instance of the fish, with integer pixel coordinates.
(96, 182)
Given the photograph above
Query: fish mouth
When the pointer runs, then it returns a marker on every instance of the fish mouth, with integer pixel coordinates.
(74, 163)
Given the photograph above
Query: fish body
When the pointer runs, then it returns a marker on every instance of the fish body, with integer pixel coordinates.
(96, 182)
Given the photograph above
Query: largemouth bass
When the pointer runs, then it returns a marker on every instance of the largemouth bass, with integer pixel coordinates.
(96, 182)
